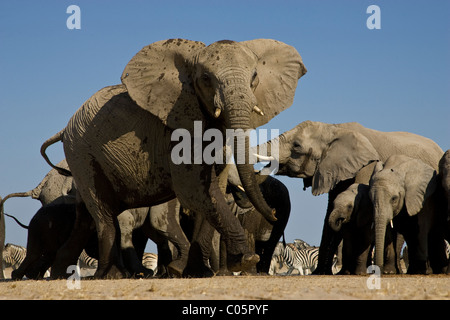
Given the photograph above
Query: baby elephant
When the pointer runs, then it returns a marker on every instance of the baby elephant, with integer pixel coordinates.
(353, 216)
(48, 230)
(405, 190)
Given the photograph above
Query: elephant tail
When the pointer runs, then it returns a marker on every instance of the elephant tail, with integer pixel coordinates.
(284, 240)
(18, 222)
(57, 137)
(13, 195)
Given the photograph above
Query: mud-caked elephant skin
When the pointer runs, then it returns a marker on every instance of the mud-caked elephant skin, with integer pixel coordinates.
(119, 144)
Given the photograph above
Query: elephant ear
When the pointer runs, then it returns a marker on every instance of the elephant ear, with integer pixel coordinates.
(279, 68)
(158, 80)
(420, 183)
(348, 153)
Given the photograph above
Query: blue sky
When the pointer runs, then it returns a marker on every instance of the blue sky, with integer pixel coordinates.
(392, 79)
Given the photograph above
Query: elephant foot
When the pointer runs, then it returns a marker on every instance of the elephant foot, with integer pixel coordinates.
(198, 272)
(16, 275)
(389, 270)
(176, 268)
(242, 262)
(418, 267)
(112, 272)
(58, 272)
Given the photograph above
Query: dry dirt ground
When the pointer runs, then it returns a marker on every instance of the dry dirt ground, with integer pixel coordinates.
(235, 288)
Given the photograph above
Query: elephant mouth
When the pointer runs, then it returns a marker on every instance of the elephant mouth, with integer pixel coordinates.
(337, 225)
(289, 169)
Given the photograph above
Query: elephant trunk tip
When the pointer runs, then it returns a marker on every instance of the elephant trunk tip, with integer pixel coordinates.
(336, 225)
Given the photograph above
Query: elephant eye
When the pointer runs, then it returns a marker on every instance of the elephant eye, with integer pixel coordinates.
(255, 81)
(206, 78)
(394, 199)
(350, 207)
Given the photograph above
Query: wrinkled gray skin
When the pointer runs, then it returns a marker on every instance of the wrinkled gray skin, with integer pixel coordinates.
(405, 190)
(54, 188)
(118, 144)
(165, 230)
(329, 156)
(444, 172)
(353, 213)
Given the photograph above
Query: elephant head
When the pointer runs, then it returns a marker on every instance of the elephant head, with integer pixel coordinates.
(403, 183)
(323, 153)
(347, 203)
(227, 85)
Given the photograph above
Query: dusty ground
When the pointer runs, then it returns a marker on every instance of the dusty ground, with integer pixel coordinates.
(235, 288)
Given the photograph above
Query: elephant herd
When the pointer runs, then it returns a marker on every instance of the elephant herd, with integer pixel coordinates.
(125, 179)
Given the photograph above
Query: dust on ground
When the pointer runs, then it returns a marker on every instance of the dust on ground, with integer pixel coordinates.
(395, 287)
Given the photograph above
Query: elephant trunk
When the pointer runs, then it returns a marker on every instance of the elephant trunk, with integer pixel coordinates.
(238, 109)
(337, 219)
(380, 234)
(247, 174)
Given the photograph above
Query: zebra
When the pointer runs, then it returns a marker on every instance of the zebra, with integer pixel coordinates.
(277, 262)
(302, 260)
(13, 255)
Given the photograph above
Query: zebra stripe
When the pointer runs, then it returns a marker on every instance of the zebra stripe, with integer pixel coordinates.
(13, 256)
(150, 261)
(86, 261)
(277, 261)
(302, 260)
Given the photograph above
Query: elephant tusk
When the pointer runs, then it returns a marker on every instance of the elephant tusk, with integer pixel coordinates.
(258, 110)
(241, 188)
(392, 224)
(266, 158)
(217, 112)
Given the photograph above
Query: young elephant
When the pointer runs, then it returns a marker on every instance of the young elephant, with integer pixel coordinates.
(353, 215)
(52, 225)
(54, 188)
(404, 191)
(48, 230)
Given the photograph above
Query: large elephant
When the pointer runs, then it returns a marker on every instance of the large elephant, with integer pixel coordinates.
(353, 213)
(120, 145)
(405, 191)
(329, 156)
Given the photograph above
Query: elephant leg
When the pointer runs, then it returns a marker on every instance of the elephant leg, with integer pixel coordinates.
(200, 250)
(349, 247)
(31, 259)
(330, 239)
(131, 259)
(177, 237)
(68, 253)
(197, 188)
